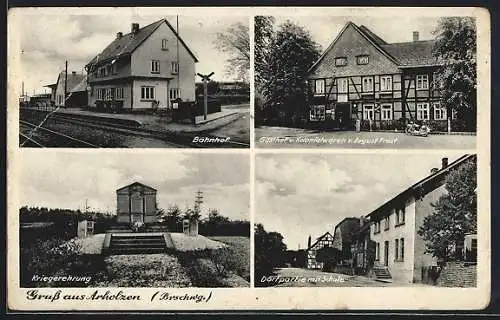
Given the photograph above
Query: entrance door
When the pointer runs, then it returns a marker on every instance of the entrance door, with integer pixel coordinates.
(343, 115)
(386, 253)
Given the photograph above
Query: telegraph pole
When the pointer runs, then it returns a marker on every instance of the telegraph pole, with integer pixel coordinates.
(198, 200)
(205, 79)
(65, 83)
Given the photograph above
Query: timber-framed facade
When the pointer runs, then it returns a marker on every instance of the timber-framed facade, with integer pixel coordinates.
(384, 86)
(326, 240)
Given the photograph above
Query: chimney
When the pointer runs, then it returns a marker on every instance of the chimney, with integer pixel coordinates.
(444, 163)
(309, 242)
(415, 35)
(119, 35)
(434, 170)
(361, 221)
(135, 28)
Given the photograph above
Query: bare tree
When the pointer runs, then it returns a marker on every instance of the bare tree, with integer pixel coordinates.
(236, 42)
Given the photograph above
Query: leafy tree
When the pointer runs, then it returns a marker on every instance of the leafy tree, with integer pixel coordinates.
(329, 256)
(455, 214)
(292, 52)
(172, 217)
(456, 48)
(263, 39)
(269, 252)
(236, 42)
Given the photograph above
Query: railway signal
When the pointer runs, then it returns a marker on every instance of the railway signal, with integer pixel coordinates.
(205, 79)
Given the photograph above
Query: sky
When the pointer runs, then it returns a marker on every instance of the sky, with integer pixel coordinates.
(66, 179)
(301, 195)
(324, 29)
(48, 40)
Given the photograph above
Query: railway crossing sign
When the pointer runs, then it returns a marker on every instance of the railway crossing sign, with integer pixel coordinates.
(205, 79)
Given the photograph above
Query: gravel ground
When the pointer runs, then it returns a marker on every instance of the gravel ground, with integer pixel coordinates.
(145, 270)
(186, 243)
(92, 244)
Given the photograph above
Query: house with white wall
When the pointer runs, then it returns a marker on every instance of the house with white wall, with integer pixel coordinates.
(72, 94)
(146, 68)
(399, 250)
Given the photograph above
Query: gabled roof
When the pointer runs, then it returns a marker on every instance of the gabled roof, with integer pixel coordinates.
(404, 54)
(135, 184)
(427, 181)
(129, 42)
(77, 82)
(320, 238)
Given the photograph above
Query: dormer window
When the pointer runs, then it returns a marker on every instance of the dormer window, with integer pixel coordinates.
(363, 59)
(164, 43)
(340, 61)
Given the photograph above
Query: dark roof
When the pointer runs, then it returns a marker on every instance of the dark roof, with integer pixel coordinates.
(135, 184)
(129, 42)
(76, 81)
(404, 54)
(415, 53)
(427, 181)
(53, 85)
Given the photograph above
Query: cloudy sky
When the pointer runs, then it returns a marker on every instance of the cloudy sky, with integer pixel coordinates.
(52, 37)
(302, 195)
(65, 179)
(324, 29)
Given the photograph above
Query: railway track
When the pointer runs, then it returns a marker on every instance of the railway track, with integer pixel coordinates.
(45, 137)
(175, 139)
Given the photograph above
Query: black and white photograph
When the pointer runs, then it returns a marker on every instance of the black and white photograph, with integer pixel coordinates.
(353, 221)
(365, 82)
(157, 220)
(121, 79)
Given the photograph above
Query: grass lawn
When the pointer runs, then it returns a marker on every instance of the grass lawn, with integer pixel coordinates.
(241, 247)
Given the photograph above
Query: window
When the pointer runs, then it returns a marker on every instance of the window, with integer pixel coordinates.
(341, 61)
(377, 251)
(99, 94)
(402, 245)
(319, 87)
(164, 43)
(114, 68)
(101, 72)
(119, 93)
(386, 223)
(109, 69)
(175, 67)
(422, 82)
(108, 96)
(400, 216)
(386, 83)
(155, 66)
(368, 112)
(147, 93)
(376, 227)
(386, 112)
(342, 86)
(362, 59)
(396, 250)
(423, 111)
(174, 93)
(317, 113)
(439, 112)
(368, 84)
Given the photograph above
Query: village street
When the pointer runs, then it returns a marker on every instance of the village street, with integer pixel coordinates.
(298, 277)
(282, 137)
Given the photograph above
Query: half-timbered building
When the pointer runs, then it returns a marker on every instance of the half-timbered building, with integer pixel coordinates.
(326, 240)
(383, 85)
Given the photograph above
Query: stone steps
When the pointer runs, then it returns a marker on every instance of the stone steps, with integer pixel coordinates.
(137, 243)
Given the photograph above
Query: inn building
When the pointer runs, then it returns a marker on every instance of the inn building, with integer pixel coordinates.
(383, 85)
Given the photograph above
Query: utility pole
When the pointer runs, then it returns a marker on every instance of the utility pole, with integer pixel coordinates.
(178, 64)
(198, 200)
(65, 83)
(205, 79)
